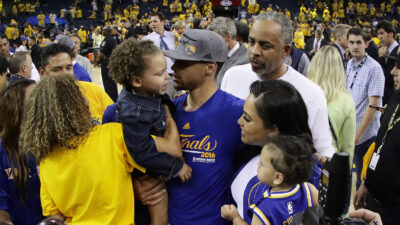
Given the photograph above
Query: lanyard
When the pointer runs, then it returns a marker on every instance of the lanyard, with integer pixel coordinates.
(358, 70)
(392, 123)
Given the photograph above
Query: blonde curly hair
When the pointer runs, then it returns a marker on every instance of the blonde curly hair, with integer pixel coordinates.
(129, 59)
(56, 114)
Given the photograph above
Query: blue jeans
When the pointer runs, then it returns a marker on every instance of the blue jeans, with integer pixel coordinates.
(359, 152)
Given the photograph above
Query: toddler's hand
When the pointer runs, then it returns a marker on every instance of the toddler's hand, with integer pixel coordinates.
(229, 212)
(185, 173)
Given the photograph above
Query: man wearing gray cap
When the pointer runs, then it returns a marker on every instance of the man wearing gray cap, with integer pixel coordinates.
(210, 136)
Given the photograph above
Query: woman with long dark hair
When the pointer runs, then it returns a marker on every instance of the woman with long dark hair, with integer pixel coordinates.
(19, 180)
(274, 107)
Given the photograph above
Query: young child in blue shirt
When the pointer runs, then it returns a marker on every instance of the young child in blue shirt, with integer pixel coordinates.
(144, 110)
(285, 166)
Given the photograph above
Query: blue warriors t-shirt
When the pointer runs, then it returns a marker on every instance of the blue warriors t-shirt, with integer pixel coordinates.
(278, 208)
(22, 213)
(247, 189)
(209, 137)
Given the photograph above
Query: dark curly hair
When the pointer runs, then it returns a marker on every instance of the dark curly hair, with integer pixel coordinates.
(129, 59)
(292, 157)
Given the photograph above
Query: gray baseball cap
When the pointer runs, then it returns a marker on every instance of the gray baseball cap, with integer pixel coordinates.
(199, 45)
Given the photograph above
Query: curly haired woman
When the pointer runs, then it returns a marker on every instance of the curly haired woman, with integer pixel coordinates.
(84, 169)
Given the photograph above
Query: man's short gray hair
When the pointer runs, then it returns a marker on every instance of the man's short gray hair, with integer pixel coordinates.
(286, 36)
(223, 26)
(340, 30)
(16, 61)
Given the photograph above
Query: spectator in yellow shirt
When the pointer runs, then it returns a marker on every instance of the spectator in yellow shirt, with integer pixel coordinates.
(79, 13)
(14, 10)
(28, 31)
(92, 15)
(82, 35)
(178, 6)
(41, 17)
(299, 38)
(172, 7)
(287, 13)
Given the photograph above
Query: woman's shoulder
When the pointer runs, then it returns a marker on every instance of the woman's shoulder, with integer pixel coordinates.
(342, 106)
(342, 99)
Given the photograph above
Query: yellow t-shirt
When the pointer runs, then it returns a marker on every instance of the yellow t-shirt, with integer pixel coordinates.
(79, 13)
(82, 34)
(107, 7)
(299, 40)
(179, 7)
(41, 18)
(92, 183)
(172, 7)
(9, 32)
(98, 99)
(376, 40)
(52, 18)
(28, 31)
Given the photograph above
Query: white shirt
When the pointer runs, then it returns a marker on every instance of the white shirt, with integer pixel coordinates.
(237, 81)
(242, 179)
(392, 46)
(342, 50)
(169, 39)
(233, 50)
(22, 48)
(35, 73)
(319, 43)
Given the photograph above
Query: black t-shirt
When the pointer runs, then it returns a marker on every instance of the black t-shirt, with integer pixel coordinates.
(384, 182)
(107, 46)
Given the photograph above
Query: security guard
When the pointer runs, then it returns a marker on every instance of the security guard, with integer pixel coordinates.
(380, 192)
(106, 47)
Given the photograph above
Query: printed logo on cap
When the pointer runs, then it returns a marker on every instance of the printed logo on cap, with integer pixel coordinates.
(190, 50)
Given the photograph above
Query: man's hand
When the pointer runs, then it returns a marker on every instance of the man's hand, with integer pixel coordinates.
(186, 173)
(382, 51)
(367, 215)
(360, 197)
(149, 190)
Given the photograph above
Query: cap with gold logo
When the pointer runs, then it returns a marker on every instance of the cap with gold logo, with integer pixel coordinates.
(199, 45)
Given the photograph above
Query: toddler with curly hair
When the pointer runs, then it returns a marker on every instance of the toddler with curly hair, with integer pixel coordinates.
(285, 166)
(144, 109)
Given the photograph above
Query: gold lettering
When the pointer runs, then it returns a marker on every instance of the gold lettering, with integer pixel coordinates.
(204, 144)
(185, 142)
(194, 144)
(205, 140)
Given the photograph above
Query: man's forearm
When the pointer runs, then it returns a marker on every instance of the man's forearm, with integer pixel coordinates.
(100, 56)
(366, 121)
(5, 217)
